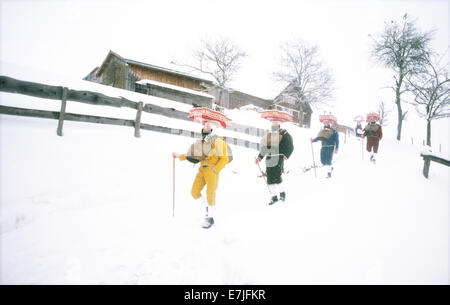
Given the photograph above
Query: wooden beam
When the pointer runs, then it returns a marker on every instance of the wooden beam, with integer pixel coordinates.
(426, 167)
(169, 112)
(67, 116)
(137, 125)
(11, 85)
(62, 112)
(437, 159)
(427, 160)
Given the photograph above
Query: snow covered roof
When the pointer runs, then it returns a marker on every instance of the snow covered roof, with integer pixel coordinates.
(148, 66)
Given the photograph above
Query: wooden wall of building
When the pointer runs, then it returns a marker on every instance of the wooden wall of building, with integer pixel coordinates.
(239, 99)
(114, 74)
(160, 76)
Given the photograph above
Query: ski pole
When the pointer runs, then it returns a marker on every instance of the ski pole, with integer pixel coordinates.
(362, 149)
(173, 187)
(314, 163)
(262, 174)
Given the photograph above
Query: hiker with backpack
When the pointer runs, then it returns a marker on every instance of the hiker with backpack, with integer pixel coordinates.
(330, 142)
(277, 146)
(358, 130)
(374, 133)
(212, 154)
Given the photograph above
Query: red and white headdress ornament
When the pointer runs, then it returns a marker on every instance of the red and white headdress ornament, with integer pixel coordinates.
(372, 117)
(328, 119)
(276, 116)
(358, 118)
(204, 115)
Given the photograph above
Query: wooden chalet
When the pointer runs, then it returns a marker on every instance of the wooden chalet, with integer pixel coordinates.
(232, 99)
(300, 110)
(124, 73)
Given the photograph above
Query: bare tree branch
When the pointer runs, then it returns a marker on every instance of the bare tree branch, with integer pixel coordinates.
(384, 113)
(219, 58)
(404, 49)
(307, 78)
(431, 90)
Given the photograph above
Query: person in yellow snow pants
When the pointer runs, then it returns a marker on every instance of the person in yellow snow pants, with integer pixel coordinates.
(205, 176)
(208, 173)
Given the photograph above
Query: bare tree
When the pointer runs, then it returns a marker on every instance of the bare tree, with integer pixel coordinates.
(431, 90)
(404, 49)
(219, 58)
(384, 113)
(308, 79)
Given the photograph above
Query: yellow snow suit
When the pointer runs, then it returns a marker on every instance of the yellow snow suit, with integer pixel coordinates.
(209, 170)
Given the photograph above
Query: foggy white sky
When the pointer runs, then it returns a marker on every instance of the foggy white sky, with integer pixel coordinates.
(72, 37)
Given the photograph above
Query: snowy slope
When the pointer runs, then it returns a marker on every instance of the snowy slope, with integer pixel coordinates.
(95, 206)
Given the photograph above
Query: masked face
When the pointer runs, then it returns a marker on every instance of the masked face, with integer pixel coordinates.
(275, 128)
(206, 132)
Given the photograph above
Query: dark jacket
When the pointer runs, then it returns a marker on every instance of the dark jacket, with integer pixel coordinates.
(286, 146)
(371, 134)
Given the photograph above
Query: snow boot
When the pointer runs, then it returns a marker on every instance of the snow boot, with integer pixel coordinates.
(329, 175)
(274, 200)
(209, 217)
(207, 222)
(283, 196)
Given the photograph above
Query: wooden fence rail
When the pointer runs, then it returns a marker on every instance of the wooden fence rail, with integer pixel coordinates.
(114, 121)
(427, 160)
(12, 85)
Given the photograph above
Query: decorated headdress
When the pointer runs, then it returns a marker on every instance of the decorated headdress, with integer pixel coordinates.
(276, 116)
(205, 115)
(358, 119)
(328, 119)
(372, 117)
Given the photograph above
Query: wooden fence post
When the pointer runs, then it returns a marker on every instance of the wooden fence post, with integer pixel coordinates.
(62, 112)
(426, 167)
(137, 124)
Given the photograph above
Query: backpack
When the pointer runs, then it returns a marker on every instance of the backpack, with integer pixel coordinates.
(271, 139)
(325, 134)
(286, 143)
(199, 150)
(372, 129)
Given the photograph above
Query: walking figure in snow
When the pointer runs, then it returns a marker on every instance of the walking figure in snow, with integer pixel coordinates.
(330, 142)
(358, 130)
(374, 133)
(277, 146)
(213, 154)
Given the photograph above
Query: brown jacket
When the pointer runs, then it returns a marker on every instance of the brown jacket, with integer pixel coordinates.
(373, 132)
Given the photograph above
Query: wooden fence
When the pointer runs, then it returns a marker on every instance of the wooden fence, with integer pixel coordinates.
(427, 160)
(11, 85)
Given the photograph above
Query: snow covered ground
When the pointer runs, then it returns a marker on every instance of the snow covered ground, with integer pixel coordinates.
(95, 206)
